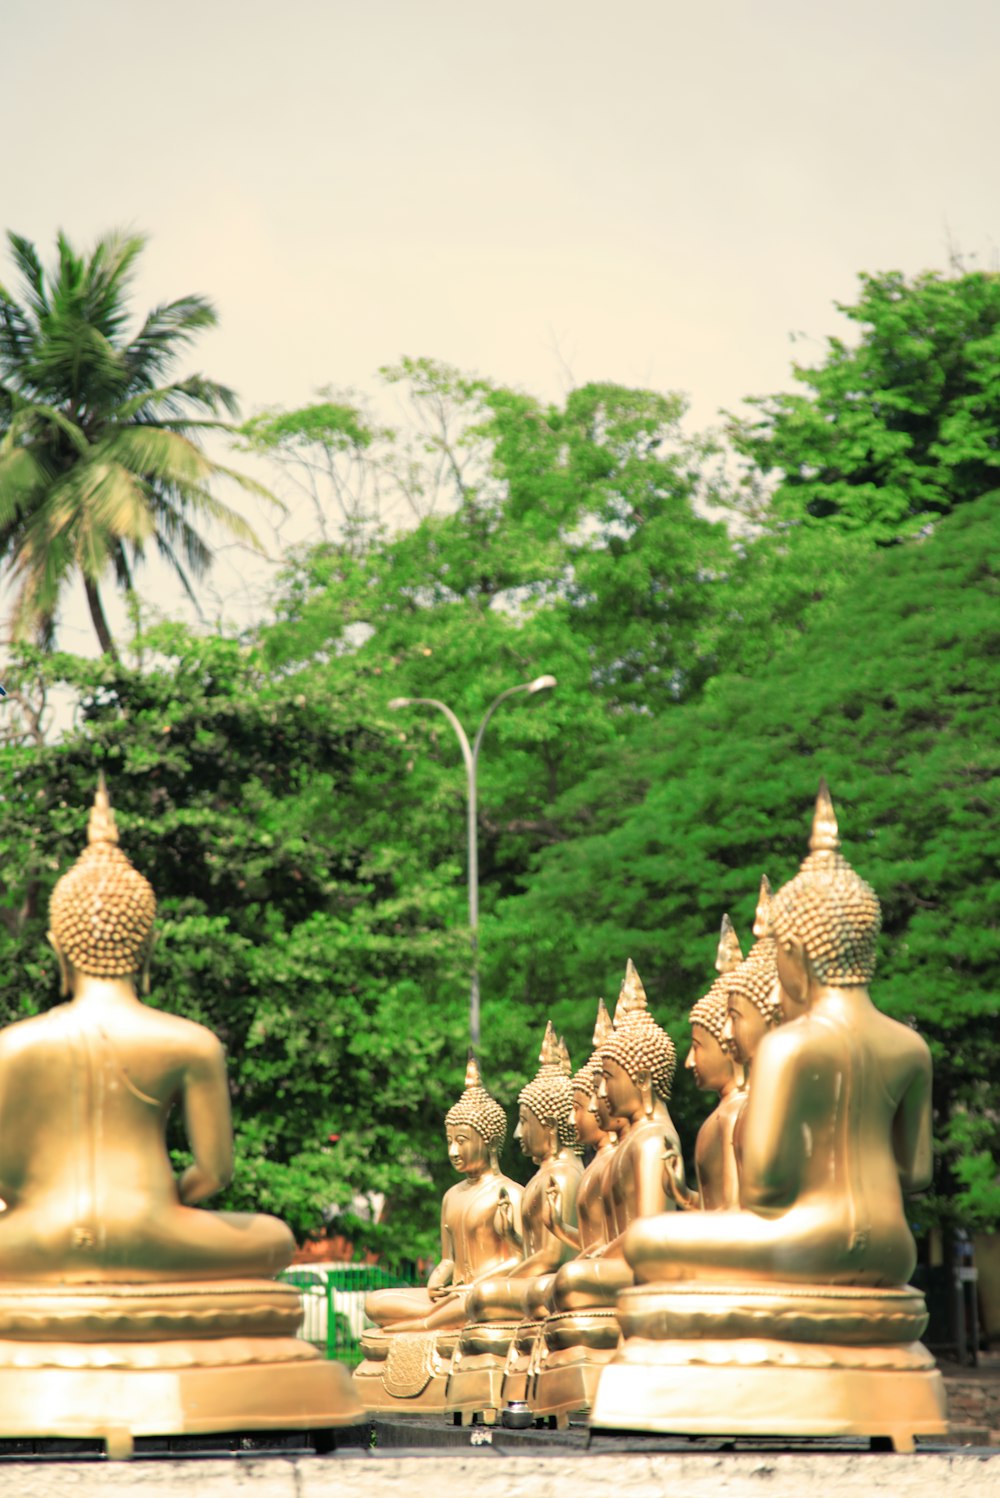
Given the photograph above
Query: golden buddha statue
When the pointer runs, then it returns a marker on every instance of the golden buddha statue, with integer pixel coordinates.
(638, 1063)
(502, 1300)
(106, 1260)
(715, 1069)
(810, 1275)
(594, 1132)
(567, 1351)
(407, 1361)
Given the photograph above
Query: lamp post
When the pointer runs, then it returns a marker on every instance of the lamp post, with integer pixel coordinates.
(470, 754)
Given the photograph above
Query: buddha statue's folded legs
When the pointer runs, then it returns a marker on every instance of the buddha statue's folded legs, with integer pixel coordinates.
(181, 1243)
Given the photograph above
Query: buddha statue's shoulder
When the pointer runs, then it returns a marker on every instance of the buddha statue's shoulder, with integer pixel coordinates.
(38, 1029)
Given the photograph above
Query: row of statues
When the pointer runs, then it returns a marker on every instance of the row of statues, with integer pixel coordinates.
(623, 1290)
(770, 1296)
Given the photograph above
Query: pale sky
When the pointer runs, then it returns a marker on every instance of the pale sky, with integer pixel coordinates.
(644, 191)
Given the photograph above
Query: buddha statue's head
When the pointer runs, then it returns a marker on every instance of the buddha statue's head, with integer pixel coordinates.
(476, 1126)
(753, 1006)
(638, 1060)
(711, 1057)
(590, 1130)
(545, 1122)
(826, 920)
(102, 910)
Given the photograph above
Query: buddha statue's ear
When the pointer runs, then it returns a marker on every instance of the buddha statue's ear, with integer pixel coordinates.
(147, 958)
(644, 1082)
(65, 971)
(795, 971)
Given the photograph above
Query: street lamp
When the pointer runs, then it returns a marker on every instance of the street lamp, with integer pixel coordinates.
(470, 754)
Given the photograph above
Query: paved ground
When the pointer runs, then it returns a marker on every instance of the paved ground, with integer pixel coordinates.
(492, 1473)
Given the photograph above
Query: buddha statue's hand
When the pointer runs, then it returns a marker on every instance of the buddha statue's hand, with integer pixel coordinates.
(553, 1205)
(440, 1278)
(673, 1181)
(503, 1217)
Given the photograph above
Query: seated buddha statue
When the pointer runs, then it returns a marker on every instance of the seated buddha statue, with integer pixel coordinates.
(637, 1068)
(838, 1124)
(593, 1132)
(127, 1308)
(547, 1135)
(471, 1246)
(715, 1069)
(85, 1093)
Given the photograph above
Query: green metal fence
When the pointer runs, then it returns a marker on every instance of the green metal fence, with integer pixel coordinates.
(333, 1300)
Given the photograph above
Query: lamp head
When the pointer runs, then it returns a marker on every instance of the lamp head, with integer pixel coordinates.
(398, 702)
(541, 684)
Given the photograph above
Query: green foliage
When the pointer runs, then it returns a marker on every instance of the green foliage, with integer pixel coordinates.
(893, 694)
(294, 919)
(902, 426)
(100, 453)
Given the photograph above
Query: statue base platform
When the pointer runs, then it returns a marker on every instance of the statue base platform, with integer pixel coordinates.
(116, 1361)
(778, 1360)
(405, 1371)
(477, 1369)
(520, 1365)
(575, 1347)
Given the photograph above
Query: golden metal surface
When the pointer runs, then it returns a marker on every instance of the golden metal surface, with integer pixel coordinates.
(633, 1083)
(809, 1276)
(547, 1134)
(125, 1308)
(477, 1241)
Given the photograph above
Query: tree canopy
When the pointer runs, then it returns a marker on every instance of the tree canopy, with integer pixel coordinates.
(307, 843)
(902, 425)
(100, 450)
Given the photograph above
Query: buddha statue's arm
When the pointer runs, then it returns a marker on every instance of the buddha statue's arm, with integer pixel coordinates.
(554, 1219)
(911, 1129)
(772, 1145)
(443, 1273)
(208, 1124)
(549, 1254)
(673, 1178)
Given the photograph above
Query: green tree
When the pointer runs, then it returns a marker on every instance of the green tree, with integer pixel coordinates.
(900, 426)
(100, 452)
(295, 917)
(892, 692)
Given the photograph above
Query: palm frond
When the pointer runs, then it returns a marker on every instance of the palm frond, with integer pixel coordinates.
(32, 272)
(167, 330)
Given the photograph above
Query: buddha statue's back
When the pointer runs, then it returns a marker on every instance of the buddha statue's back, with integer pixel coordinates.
(126, 1309)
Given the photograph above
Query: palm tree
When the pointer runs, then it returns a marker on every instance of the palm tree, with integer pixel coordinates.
(99, 449)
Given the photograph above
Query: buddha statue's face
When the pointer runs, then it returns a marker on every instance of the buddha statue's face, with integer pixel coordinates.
(467, 1149)
(712, 1066)
(619, 1091)
(535, 1138)
(745, 1026)
(585, 1121)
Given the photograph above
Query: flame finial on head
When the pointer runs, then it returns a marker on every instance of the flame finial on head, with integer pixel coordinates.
(728, 954)
(563, 1062)
(762, 915)
(101, 824)
(632, 996)
(825, 835)
(602, 1025)
(549, 1054)
(472, 1077)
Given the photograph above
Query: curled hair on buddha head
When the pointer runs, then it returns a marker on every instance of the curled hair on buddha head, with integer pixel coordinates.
(711, 1010)
(756, 979)
(829, 908)
(101, 911)
(478, 1110)
(549, 1094)
(589, 1075)
(638, 1043)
